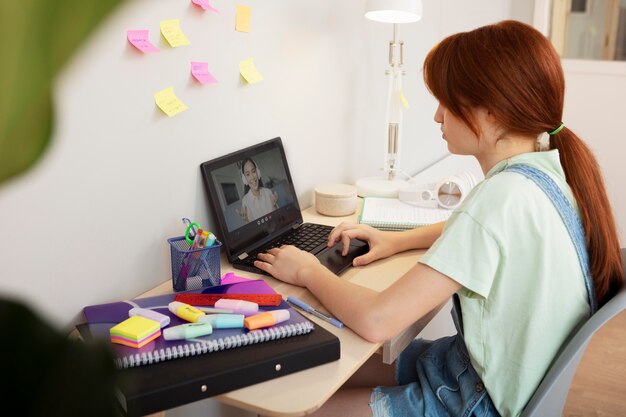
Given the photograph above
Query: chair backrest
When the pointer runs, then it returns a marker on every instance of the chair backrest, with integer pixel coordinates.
(549, 398)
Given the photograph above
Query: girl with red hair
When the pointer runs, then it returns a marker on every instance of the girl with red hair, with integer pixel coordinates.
(528, 256)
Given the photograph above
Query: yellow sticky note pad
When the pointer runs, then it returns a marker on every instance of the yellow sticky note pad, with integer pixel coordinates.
(173, 34)
(249, 72)
(242, 18)
(168, 102)
(405, 103)
(135, 329)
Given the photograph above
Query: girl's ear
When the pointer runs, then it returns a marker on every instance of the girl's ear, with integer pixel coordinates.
(491, 116)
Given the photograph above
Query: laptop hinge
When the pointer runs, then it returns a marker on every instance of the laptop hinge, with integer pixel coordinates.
(243, 256)
(296, 225)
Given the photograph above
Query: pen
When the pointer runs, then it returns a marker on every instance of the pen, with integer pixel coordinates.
(304, 306)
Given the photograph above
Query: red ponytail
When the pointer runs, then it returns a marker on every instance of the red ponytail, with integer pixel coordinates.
(513, 70)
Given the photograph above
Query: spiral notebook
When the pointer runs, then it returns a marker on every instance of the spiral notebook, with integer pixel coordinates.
(395, 215)
(181, 372)
(100, 319)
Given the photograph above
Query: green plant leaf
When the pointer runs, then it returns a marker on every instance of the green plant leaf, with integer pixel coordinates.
(38, 37)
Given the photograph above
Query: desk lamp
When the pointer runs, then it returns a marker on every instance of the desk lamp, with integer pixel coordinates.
(396, 12)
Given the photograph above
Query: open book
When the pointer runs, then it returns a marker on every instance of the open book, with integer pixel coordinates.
(393, 214)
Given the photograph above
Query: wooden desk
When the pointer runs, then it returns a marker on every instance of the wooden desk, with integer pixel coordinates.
(304, 392)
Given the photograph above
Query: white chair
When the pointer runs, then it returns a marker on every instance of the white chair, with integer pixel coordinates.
(549, 398)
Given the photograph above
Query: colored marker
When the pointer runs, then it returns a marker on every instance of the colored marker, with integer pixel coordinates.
(266, 319)
(187, 331)
(185, 311)
(223, 321)
(247, 308)
(162, 319)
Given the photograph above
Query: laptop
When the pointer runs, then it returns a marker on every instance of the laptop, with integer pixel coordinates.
(255, 208)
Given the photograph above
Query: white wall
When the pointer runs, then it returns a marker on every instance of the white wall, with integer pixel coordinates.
(119, 174)
(89, 223)
(594, 109)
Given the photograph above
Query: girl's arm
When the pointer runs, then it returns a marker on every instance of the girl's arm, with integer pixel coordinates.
(375, 316)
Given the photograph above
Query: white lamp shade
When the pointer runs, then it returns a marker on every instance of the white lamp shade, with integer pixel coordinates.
(393, 11)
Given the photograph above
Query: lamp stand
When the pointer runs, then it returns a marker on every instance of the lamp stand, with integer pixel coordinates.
(389, 184)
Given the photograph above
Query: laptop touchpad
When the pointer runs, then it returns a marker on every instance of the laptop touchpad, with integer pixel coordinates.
(336, 262)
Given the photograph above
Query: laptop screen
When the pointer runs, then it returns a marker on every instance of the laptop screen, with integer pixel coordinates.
(252, 196)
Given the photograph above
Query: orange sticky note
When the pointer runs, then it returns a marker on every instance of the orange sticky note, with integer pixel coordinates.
(242, 18)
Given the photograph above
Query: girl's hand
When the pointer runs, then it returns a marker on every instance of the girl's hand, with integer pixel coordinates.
(380, 243)
(288, 263)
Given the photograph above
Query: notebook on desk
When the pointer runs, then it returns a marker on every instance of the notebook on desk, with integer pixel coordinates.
(165, 374)
(255, 208)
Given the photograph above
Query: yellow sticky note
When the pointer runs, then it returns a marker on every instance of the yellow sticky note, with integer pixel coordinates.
(173, 34)
(242, 18)
(249, 72)
(168, 102)
(405, 103)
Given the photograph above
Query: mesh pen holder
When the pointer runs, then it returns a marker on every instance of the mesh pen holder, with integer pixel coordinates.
(194, 269)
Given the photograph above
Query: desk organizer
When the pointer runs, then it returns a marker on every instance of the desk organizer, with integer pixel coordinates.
(194, 269)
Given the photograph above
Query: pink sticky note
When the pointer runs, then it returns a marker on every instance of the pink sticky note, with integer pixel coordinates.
(139, 39)
(205, 5)
(200, 70)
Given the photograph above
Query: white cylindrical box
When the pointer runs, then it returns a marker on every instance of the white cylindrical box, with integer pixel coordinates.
(335, 199)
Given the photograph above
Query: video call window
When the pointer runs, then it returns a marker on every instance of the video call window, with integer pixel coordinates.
(253, 188)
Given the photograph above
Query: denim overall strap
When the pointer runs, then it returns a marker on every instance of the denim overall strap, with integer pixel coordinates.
(569, 216)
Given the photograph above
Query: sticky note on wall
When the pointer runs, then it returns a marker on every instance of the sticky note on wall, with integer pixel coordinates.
(139, 39)
(173, 34)
(205, 5)
(249, 72)
(242, 18)
(168, 102)
(200, 71)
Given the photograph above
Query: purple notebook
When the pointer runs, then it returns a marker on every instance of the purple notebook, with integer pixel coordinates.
(100, 318)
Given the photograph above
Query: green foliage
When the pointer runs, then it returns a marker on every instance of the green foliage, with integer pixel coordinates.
(38, 37)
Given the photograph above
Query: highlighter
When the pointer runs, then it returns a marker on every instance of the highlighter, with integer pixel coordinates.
(247, 308)
(187, 331)
(162, 319)
(185, 311)
(266, 319)
(223, 321)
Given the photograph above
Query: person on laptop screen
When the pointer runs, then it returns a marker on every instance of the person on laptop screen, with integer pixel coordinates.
(258, 200)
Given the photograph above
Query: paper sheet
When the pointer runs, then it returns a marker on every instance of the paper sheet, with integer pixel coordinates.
(173, 34)
(200, 71)
(206, 5)
(393, 214)
(139, 39)
(168, 102)
(249, 72)
(242, 18)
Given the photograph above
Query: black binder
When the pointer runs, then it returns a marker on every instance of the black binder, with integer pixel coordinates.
(160, 386)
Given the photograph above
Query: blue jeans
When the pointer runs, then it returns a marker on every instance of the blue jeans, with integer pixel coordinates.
(435, 379)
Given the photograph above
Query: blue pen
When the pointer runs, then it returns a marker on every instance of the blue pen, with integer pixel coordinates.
(304, 306)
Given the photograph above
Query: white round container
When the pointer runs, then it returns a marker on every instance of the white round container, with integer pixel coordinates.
(335, 199)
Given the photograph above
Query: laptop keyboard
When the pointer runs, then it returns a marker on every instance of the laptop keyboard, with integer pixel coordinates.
(307, 237)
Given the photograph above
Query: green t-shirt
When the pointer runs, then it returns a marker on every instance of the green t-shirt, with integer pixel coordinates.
(523, 289)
